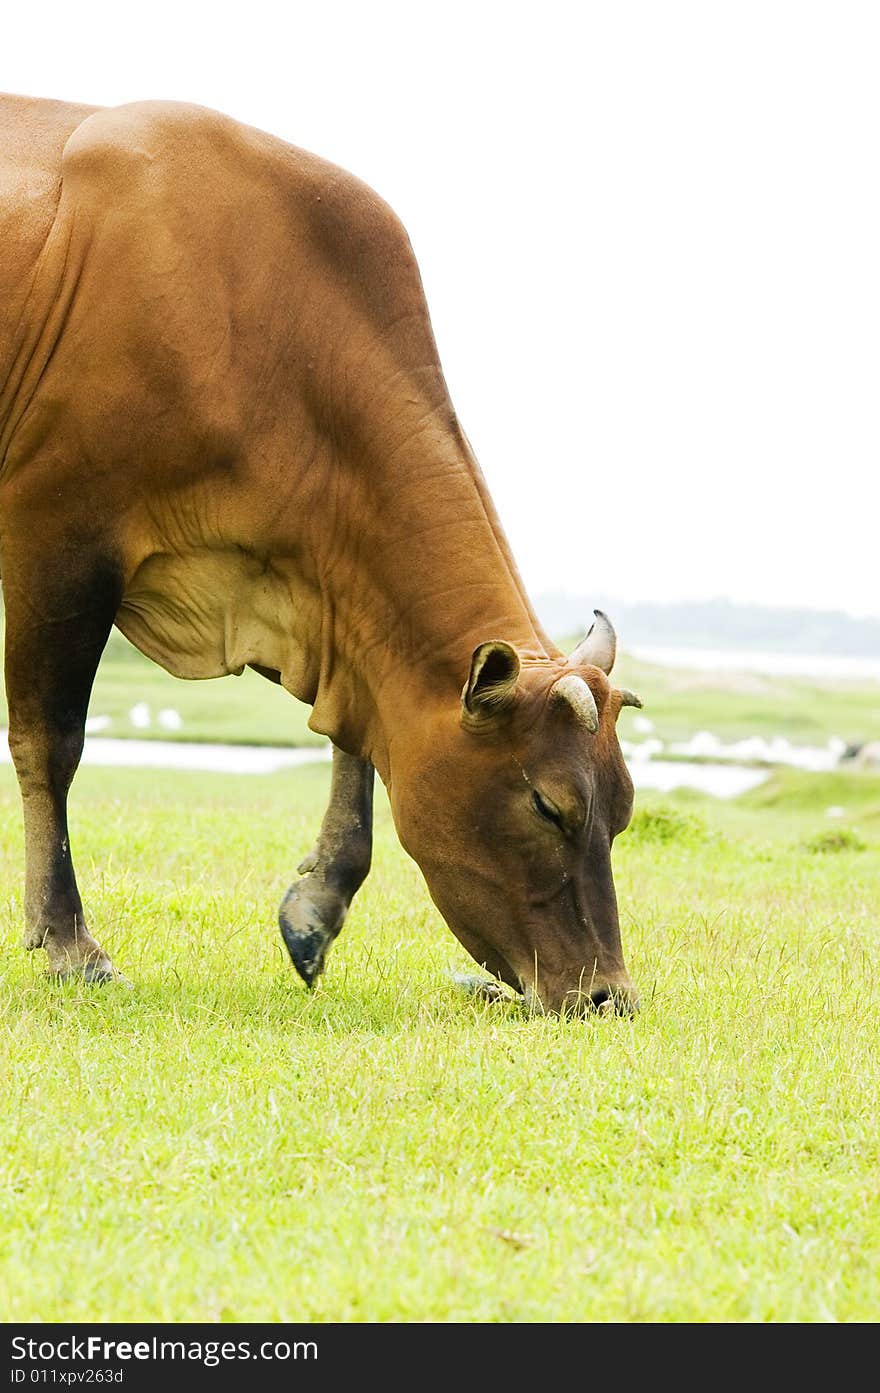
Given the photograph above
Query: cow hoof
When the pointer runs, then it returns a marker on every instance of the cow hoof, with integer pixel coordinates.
(483, 988)
(99, 974)
(96, 974)
(310, 917)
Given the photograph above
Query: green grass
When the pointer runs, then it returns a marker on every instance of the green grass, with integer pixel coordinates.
(735, 706)
(218, 1144)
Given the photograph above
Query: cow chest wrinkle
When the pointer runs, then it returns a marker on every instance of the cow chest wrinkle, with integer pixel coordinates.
(210, 613)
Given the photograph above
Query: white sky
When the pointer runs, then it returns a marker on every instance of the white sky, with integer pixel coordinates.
(650, 240)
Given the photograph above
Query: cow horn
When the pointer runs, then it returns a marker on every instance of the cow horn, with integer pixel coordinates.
(628, 698)
(576, 692)
(599, 648)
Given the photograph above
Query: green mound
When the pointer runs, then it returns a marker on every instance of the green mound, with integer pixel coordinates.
(664, 823)
(834, 840)
(795, 790)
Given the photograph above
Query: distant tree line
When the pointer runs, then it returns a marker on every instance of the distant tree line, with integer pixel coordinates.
(717, 623)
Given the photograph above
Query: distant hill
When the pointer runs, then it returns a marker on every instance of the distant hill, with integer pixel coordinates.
(716, 624)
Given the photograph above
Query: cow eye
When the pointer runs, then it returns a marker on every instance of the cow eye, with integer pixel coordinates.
(545, 810)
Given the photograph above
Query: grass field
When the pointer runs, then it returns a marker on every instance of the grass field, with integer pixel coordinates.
(217, 1144)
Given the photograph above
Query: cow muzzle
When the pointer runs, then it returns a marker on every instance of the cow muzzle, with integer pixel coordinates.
(609, 999)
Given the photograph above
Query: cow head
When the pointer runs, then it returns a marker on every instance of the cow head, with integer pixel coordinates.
(510, 807)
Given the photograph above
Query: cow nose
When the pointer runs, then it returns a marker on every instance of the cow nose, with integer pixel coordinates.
(615, 1000)
(610, 999)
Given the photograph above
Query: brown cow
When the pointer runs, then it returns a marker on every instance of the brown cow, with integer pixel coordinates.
(224, 428)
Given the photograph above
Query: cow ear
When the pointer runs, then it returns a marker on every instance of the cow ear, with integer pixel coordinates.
(491, 685)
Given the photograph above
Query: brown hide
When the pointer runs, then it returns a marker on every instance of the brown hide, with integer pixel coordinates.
(223, 423)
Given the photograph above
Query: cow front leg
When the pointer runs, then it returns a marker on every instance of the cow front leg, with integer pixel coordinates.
(56, 629)
(314, 908)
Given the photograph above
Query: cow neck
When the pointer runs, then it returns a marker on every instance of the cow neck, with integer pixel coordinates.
(434, 578)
